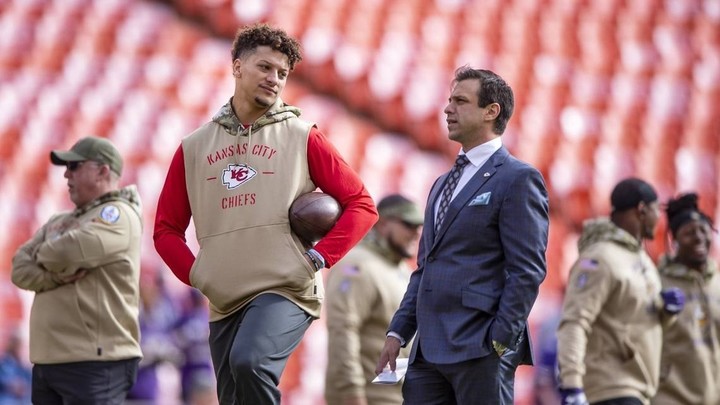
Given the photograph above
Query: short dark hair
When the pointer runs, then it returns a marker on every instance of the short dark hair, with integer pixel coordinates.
(630, 192)
(248, 38)
(493, 89)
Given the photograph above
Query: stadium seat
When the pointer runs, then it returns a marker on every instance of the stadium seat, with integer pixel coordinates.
(556, 31)
(598, 53)
(220, 16)
(591, 91)
(293, 17)
(555, 253)
(478, 21)
(604, 90)
(354, 55)
(628, 97)
(380, 169)
(420, 169)
(697, 171)
(349, 135)
(539, 134)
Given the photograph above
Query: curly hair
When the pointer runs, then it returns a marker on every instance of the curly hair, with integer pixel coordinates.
(248, 38)
(682, 209)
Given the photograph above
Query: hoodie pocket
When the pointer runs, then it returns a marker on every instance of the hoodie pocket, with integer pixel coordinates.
(234, 267)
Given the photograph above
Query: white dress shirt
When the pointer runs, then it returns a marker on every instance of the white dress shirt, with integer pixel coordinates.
(477, 157)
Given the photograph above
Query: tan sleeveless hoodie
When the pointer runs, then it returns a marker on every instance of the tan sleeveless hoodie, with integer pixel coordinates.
(241, 182)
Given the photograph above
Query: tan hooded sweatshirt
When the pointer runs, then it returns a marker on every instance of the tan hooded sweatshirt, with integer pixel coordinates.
(690, 368)
(246, 245)
(610, 333)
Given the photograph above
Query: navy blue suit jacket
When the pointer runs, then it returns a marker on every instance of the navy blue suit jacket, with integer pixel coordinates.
(478, 278)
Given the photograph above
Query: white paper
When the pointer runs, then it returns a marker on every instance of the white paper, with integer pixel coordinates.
(392, 377)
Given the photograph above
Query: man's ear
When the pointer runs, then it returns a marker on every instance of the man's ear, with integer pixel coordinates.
(237, 64)
(105, 171)
(381, 223)
(492, 111)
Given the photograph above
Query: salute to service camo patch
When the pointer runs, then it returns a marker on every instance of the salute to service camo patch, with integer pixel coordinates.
(110, 214)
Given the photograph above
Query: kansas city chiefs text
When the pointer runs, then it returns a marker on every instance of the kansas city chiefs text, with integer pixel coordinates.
(239, 150)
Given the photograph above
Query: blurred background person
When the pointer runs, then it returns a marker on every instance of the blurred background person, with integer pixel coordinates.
(158, 315)
(197, 380)
(84, 267)
(604, 90)
(364, 290)
(15, 373)
(610, 333)
(545, 382)
(690, 367)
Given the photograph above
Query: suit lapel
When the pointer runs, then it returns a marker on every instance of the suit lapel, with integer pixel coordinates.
(470, 190)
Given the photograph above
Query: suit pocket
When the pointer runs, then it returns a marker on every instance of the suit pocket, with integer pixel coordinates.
(479, 300)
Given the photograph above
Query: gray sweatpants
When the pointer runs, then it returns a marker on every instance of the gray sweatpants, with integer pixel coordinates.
(250, 349)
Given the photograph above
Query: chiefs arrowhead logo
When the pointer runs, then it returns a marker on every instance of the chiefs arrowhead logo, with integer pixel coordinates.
(237, 175)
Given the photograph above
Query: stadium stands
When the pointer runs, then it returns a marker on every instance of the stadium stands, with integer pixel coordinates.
(604, 89)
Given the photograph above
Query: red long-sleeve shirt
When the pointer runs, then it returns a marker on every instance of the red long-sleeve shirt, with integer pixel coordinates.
(328, 171)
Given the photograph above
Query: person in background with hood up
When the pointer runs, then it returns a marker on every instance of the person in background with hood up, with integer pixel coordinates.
(610, 332)
(364, 291)
(690, 367)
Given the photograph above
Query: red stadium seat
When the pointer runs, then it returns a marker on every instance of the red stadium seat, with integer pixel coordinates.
(419, 172)
(557, 30)
(598, 53)
(604, 90)
(294, 16)
(380, 169)
(349, 135)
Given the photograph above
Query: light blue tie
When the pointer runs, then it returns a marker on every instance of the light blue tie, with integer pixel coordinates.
(450, 183)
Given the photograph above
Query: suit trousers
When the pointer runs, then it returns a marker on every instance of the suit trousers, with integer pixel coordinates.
(86, 382)
(250, 349)
(475, 381)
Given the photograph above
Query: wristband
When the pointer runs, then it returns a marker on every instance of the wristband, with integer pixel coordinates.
(316, 259)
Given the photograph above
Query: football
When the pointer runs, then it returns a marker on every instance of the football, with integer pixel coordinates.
(312, 215)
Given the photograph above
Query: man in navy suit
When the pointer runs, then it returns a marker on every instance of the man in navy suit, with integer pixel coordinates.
(481, 260)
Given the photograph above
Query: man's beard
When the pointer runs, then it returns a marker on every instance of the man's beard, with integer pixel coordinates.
(648, 232)
(400, 250)
(262, 103)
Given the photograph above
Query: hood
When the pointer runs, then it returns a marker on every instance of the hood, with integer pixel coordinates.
(670, 268)
(604, 230)
(278, 112)
(127, 194)
(379, 245)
